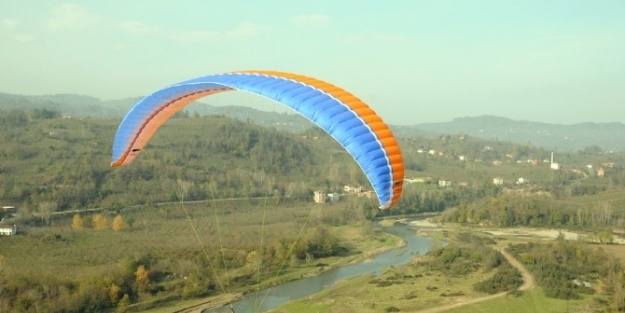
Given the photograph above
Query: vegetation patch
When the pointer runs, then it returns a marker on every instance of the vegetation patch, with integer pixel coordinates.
(571, 269)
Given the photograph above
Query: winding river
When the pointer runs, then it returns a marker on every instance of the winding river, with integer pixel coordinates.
(264, 300)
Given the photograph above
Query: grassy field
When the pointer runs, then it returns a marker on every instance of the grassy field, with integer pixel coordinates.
(616, 250)
(530, 301)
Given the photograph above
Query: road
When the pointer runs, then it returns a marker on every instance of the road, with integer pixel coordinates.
(528, 278)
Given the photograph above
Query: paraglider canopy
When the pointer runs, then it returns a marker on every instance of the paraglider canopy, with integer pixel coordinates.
(339, 113)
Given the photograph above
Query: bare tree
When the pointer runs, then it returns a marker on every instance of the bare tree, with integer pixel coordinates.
(45, 210)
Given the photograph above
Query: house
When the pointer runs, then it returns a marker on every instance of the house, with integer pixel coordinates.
(348, 188)
(334, 197)
(417, 180)
(370, 194)
(6, 230)
(320, 196)
(498, 181)
(497, 163)
(601, 172)
(444, 183)
(7, 212)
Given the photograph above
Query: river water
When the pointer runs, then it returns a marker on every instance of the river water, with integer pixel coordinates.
(264, 300)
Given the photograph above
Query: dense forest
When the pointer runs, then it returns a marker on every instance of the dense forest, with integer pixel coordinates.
(65, 161)
(64, 164)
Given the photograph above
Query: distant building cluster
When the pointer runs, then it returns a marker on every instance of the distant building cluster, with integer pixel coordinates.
(509, 158)
(321, 196)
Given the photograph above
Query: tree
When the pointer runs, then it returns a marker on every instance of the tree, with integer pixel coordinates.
(45, 210)
(123, 303)
(142, 278)
(114, 292)
(100, 222)
(77, 222)
(118, 223)
(253, 260)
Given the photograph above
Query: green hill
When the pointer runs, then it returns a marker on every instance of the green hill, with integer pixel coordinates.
(45, 157)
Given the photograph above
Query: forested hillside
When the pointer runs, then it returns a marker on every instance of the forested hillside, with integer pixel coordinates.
(65, 161)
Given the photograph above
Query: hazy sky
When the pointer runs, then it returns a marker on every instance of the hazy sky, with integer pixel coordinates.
(413, 61)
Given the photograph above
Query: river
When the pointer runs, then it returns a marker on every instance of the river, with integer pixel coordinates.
(264, 300)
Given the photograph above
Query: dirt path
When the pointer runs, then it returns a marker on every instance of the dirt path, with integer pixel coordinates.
(528, 279)
(528, 283)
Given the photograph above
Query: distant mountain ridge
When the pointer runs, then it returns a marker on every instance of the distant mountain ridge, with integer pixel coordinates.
(87, 106)
(68, 104)
(608, 136)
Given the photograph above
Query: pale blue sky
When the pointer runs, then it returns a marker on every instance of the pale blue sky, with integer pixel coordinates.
(412, 61)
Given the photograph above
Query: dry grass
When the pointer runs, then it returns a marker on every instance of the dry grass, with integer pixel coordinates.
(617, 251)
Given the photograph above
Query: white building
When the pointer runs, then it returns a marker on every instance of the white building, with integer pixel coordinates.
(348, 188)
(8, 230)
(334, 197)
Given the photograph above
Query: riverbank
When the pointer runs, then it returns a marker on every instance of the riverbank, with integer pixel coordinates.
(361, 250)
(309, 287)
(441, 293)
(410, 288)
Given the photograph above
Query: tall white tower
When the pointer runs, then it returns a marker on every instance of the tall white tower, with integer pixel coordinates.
(553, 165)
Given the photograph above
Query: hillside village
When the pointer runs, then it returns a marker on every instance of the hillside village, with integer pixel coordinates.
(598, 169)
(510, 160)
